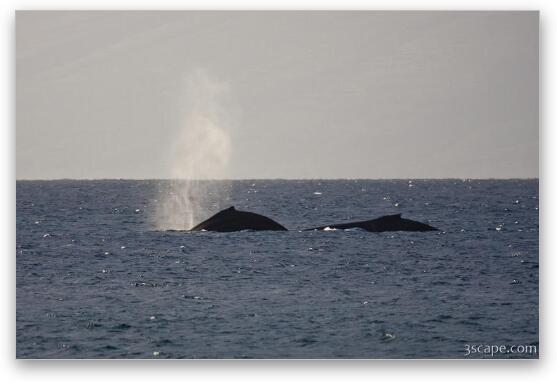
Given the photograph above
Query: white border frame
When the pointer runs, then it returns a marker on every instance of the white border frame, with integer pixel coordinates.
(140, 371)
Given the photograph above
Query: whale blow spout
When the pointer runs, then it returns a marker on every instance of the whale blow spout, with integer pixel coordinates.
(230, 220)
(382, 224)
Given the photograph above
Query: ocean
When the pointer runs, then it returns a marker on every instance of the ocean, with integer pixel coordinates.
(95, 278)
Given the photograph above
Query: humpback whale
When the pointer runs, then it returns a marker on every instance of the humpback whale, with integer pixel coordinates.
(230, 220)
(382, 224)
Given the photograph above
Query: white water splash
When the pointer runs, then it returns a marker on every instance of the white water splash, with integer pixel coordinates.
(201, 153)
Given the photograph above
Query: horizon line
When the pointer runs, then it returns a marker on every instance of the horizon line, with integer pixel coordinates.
(243, 179)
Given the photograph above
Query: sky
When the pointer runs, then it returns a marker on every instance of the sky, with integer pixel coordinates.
(247, 95)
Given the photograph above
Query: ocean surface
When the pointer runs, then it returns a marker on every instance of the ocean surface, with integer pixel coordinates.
(96, 279)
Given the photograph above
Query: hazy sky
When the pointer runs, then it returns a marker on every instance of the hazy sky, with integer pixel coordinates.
(298, 94)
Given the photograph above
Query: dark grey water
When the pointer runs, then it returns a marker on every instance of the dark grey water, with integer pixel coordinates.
(95, 280)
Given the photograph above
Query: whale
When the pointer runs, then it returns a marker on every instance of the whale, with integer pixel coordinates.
(381, 224)
(231, 220)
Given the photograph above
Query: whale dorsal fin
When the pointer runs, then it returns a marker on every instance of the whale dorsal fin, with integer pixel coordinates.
(225, 211)
(229, 210)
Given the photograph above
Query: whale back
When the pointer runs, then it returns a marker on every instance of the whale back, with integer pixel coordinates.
(395, 223)
(230, 220)
(385, 223)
